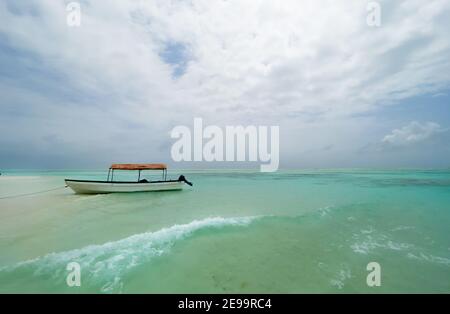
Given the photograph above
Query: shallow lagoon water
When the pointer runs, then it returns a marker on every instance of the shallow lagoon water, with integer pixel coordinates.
(234, 231)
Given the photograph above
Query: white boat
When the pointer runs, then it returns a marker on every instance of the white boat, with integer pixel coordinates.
(111, 186)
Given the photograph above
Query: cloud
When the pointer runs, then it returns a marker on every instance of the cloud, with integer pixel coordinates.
(414, 145)
(134, 69)
(412, 140)
(412, 133)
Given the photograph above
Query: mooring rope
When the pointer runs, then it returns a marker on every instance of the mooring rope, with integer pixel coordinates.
(29, 194)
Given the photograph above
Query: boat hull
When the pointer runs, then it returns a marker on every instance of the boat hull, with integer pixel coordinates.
(103, 187)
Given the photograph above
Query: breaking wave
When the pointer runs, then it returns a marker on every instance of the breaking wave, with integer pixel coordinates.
(105, 263)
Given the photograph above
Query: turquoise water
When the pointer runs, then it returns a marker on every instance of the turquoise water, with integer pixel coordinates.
(234, 231)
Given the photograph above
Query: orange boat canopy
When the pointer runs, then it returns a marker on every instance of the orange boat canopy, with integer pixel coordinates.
(138, 167)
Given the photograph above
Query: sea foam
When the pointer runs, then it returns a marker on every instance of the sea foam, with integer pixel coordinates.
(105, 263)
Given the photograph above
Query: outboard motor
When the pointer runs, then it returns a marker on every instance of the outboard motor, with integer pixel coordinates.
(183, 179)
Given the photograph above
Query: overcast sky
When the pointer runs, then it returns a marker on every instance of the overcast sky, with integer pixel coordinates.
(344, 94)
